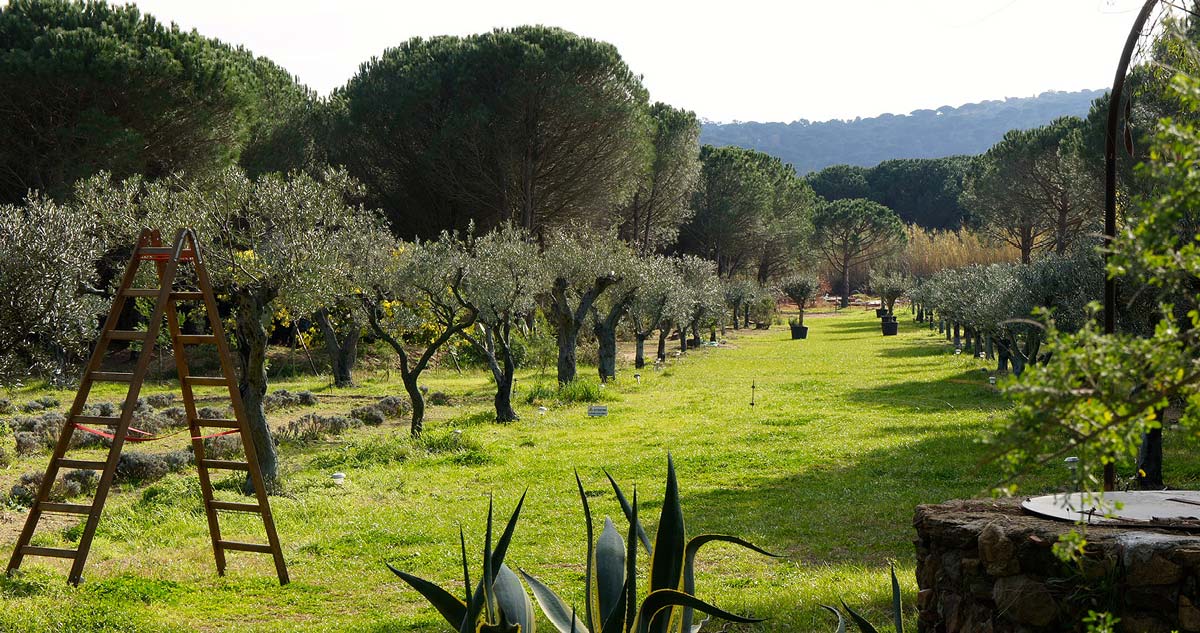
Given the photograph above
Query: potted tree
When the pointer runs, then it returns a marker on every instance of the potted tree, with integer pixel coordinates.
(800, 289)
(890, 286)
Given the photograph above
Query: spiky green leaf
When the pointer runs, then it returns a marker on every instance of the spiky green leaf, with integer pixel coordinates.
(555, 609)
(841, 621)
(666, 563)
(860, 621)
(590, 605)
(512, 601)
(689, 564)
(656, 601)
(451, 607)
(897, 613)
(629, 513)
(610, 568)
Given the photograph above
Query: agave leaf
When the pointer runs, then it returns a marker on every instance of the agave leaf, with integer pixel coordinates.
(689, 563)
(897, 613)
(661, 599)
(841, 621)
(862, 623)
(482, 593)
(631, 566)
(615, 621)
(666, 563)
(450, 606)
(462, 542)
(629, 513)
(591, 607)
(610, 568)
(512, 601)
(553, 606)
(489, 578)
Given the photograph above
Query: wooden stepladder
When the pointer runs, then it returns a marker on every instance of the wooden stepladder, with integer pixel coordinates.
(167, 261)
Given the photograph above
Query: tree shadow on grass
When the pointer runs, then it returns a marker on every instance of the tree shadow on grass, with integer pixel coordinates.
(844, 326)
(917, 349)
(854, 508)
(967, 391)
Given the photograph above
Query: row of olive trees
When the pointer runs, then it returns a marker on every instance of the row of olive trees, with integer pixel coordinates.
(994, 306)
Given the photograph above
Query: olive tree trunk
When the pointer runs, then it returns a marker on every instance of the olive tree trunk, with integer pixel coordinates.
(663, 333)
(342, 353)
(569, 320)
(252, 309)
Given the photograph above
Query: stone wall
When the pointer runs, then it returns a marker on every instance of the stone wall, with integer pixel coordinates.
(988, 567)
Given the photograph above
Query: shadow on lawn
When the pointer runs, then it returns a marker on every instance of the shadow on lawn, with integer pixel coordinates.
(917, 349)
(968, 391)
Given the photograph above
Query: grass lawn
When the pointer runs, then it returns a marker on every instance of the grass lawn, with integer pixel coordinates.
(849, 431)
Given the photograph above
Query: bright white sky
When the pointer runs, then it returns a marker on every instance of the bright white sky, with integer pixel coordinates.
(748, 60)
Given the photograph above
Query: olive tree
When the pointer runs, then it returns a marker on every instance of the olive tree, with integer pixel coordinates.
(852, 232)
(800, 288)
(583, 265)
(504, 274)
(889, 285)
(277, 242)
(649, 306)
(48, 311)
(412, 297)
(699, 299)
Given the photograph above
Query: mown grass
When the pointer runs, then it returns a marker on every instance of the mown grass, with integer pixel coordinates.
(848, 432)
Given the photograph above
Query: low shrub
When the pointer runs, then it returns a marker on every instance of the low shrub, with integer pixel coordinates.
(160, 400)
(393, 406)
(213, 413)
(370, 416)
(224, 447)
(314, 428)
(284, 399)
(80, 482)
(581, 390)
(137, 467)
(31, 407)
(440, 399)
(541, 392)
(6, 406)
(73, 483)
(177, 415)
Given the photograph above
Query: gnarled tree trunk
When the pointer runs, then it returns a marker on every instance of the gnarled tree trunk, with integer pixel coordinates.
(342, 353)
(252, 310)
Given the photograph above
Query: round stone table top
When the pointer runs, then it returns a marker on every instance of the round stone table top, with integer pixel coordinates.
(1135, 506)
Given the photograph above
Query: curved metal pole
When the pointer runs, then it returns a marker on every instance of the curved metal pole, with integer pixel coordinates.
(1110, 183)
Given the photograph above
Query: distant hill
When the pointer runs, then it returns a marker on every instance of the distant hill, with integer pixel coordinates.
(946, 131)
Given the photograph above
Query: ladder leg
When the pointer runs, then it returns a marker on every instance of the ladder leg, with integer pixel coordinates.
(81, 396)
(239, 410)
(166, 278)
(189, 405)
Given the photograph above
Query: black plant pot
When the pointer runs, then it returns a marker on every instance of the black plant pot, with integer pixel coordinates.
(799, 331)
(890, 328)
(889, 318)
(880, 313)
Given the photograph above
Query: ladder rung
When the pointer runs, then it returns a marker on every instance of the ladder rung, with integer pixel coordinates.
(224, 464)
(197, 339)
(207, 381)
(245, 547)
(156, 252)
(66, 508)
(111, 376)
(218, 424)
(127, 335)
(187, 295)
(101, 420)
(235, 507)
(30, 550)
(141, 292)
(82, 463)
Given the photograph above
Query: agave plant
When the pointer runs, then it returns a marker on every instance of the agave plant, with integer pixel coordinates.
(611, 582)
(498, 603)
(861, 622)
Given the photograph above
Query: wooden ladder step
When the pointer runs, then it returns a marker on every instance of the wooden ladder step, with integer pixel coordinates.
(156, 252)
(97, 420)
(82, 464)
(206, 381)
(55, 552)
(127, 335)
(197, 339)
(218, 424)
(187, 295)
(224, 464)
(246, 547)
(111, 376)
(65, 508)
(234, 506)
(141, 292)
